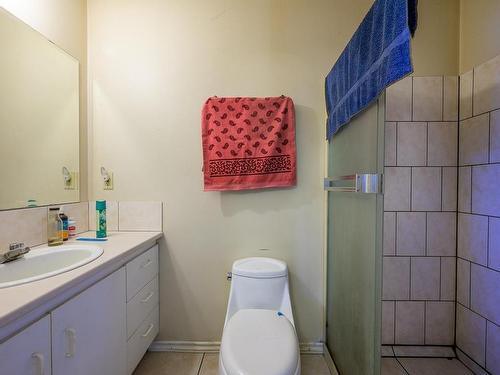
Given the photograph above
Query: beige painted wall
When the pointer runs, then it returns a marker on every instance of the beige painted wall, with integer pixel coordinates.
(152, 65)
(63, 22)
(479, 32)
(435, 46)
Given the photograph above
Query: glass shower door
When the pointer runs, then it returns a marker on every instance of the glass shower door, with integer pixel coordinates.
(354, 255)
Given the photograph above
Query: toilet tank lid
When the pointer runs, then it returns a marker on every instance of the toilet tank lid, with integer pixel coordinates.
(260, 267)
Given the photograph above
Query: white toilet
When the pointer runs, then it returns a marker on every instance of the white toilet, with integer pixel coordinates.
(259, 333)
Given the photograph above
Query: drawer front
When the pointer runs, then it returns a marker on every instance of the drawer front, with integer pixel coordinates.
(141, 305)
(141, 271)
(140, 341)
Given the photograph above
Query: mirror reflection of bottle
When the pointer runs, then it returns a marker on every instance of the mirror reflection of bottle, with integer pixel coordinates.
(100, 229)
(64, 219)
(54, 227)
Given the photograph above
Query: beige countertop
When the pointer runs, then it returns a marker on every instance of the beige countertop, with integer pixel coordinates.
(20, 305)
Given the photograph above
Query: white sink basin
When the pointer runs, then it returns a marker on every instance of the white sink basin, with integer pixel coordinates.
(46, 262)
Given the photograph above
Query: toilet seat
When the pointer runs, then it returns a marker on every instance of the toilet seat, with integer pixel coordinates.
(259, 342)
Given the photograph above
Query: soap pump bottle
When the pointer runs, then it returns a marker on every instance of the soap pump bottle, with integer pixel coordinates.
(54, 227)
(100, 228)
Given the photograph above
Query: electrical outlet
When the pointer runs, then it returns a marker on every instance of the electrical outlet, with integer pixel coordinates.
(108, 184)
(72, 184)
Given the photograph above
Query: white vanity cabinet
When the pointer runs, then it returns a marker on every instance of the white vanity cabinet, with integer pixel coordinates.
(103, 330)
(28, 352)
(88, 331)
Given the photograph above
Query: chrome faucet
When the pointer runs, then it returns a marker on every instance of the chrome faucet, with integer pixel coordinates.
(16, 251)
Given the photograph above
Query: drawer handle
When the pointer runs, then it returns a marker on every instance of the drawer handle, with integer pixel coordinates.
(40, 362)
(151, 294)
(148, 331)
(146, 263)
(71, 336)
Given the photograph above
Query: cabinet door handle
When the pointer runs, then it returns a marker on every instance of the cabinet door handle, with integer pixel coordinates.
(148, 331)
(71, 337)
(151, 294)
(146, 263)
(40, 362)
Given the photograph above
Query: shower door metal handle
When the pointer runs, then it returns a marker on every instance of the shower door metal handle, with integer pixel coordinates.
(366, 183)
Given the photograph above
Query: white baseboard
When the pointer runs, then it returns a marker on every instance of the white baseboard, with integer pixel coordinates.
(185, 346)
(311, 347)
(214, 346)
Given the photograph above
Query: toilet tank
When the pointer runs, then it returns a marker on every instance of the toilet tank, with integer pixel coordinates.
(259, 283)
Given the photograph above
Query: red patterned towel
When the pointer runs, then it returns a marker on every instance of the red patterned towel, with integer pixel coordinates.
(248, 143)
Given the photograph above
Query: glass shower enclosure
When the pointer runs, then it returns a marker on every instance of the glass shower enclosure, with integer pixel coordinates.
(354, 252)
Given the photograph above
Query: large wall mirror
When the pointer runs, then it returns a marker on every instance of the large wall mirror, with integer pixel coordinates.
(39, 119)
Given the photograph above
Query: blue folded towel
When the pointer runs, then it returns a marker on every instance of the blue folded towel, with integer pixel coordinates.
(377, 55)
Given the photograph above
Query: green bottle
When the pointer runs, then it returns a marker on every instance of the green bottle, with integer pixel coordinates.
(100, 228)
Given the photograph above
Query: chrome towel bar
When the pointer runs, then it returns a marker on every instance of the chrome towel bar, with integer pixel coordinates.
(367, 183)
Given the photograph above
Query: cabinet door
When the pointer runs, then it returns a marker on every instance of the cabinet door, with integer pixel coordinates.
(89, 331)
(27, 353)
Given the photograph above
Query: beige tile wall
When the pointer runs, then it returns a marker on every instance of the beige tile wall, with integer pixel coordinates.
(478, 249)
(29, 225)
(420, 212)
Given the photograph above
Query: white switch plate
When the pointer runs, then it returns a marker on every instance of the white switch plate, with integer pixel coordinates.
(73, 183)
(109, 185)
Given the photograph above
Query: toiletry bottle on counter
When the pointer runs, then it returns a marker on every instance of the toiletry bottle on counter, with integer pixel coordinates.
(65, 223)
(54, 227)
(100, 228)
(71, 228)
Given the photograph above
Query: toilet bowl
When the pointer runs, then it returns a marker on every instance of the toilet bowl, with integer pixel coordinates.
(259, 335)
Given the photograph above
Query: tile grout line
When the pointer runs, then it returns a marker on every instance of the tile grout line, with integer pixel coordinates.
(470, 203)
(427, 144)
(442, 188)
(489, 138)
(426, 234)
(395, 233)
(409, 281)
(440, 277)
(398, 361)
(471, 359)
(470, 285)
(478, 314)
(474, 214)
(478, 264)
(394, 326)
(201, 364)
(485, 342)
(488, 244)
(396, 141)
(411, 188)
(425, 319)
(441, 191)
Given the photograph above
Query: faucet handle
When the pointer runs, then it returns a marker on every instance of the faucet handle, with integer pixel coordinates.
(16, 250)
(16, 246)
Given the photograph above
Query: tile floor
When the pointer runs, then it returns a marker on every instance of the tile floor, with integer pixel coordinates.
(423, 366)
(169, 363)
